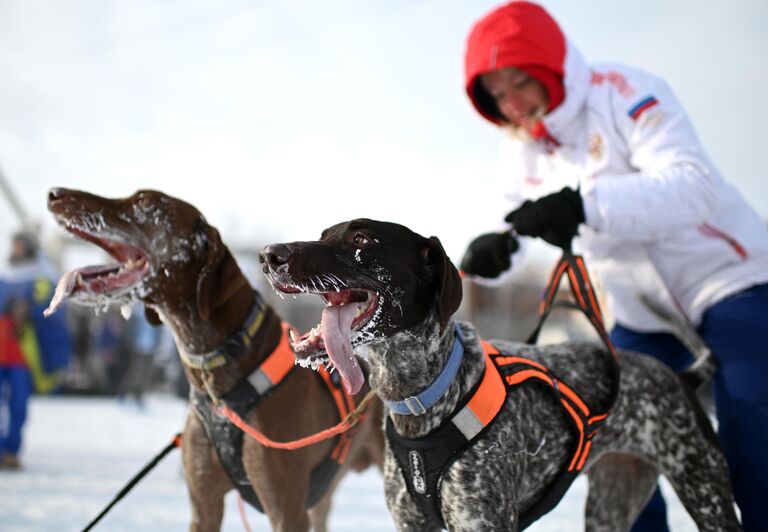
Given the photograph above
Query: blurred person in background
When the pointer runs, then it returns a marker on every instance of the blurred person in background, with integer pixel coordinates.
(33, 350)
(606, 152)
(141, 341)
(110, 349)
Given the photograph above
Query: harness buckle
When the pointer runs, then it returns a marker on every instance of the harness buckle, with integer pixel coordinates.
(415, 405)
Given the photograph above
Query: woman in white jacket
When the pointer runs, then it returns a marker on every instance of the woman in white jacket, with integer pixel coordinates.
(606, 153)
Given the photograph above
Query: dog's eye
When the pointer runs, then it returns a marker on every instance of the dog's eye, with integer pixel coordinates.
(360, 239)
(144, 200)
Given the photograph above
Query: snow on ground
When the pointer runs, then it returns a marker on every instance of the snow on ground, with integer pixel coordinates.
(79, 451)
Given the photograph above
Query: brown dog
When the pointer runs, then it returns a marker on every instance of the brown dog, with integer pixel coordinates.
(171, 259)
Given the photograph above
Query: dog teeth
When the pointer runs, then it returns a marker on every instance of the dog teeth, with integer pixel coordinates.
(126, 311)
(293, 335)
(80, 281)
(358, 312)
(304, 363)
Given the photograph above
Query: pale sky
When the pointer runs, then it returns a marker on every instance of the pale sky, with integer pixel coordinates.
(279, 118)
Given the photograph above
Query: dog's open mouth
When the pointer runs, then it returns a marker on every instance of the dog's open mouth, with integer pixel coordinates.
(345, 317)
(102, 284)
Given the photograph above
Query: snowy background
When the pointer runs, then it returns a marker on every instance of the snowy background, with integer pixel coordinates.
(79, 452)
(280, 118)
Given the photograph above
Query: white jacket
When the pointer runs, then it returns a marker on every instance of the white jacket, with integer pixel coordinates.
(660, 219)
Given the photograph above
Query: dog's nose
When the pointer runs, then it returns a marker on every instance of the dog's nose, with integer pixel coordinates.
(56, 193)
(275, 255)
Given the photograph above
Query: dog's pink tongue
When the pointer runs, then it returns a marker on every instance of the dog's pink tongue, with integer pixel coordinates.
(63, 290)
(336, 327)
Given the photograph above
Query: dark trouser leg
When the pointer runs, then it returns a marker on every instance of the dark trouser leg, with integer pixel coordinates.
(736, 330)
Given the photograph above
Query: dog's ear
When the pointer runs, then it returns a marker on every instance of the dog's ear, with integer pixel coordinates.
(448, 280)
(220, 278)
(152, 317)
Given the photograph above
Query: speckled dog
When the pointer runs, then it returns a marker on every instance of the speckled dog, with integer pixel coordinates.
(391, 295)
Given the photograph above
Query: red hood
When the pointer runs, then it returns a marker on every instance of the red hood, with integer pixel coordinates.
(518, 34)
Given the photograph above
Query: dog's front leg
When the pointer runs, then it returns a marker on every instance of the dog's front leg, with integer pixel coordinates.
(206, 479)
(280, 479)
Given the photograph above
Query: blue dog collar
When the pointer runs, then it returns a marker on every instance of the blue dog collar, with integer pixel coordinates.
(418, 404)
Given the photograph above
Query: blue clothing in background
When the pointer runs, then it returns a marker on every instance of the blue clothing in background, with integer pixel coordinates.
(52, 335)
(15, 389)
(45, 346)
(50, 349)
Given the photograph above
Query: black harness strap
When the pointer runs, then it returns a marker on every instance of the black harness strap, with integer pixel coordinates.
(423, 461)
(246, 395)
(227, 439)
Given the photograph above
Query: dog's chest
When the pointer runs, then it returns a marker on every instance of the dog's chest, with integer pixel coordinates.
(227, 440)
(506, 470)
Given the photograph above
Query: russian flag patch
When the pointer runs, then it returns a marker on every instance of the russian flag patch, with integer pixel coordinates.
(641, 106)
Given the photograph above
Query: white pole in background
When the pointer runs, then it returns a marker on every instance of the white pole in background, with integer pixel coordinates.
(16, 205)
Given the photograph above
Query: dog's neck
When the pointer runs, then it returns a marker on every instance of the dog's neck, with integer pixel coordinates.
(406, 363)
(195, 335)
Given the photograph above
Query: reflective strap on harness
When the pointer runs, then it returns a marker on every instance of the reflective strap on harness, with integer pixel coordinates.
(516, 370)
(488, 399)
(485, 403)
(206, 361)
(275, 367)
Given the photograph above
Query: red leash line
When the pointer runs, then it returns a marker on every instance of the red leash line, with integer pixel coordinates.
(243, 517)
(291, 445)
(347, 423)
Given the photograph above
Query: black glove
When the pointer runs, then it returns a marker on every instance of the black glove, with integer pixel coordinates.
(554, 218)
(488, 255)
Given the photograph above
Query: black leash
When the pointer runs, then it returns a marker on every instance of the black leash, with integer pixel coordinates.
(135, 480)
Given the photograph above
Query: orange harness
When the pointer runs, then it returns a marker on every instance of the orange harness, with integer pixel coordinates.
(423, 461)
(227, 436)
